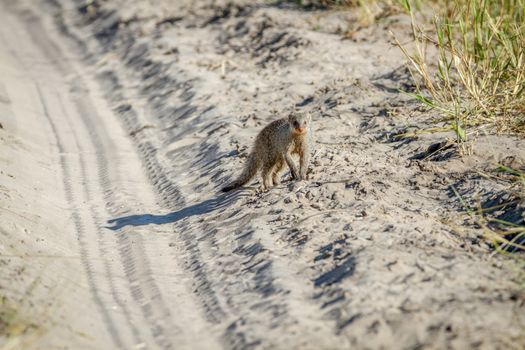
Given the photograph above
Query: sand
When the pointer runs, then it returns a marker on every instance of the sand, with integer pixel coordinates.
(122, 120)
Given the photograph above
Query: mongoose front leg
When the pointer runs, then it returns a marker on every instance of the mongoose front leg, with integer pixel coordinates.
(304, 159)
(291, 165)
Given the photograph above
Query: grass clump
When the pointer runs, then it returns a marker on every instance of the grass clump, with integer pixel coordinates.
(501, 218)
(479, 77)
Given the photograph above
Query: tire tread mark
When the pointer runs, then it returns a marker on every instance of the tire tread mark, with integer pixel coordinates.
(157, 318)
(209, 300)
(168, 192)
(103, 250)
(79, 225)
(143, 287)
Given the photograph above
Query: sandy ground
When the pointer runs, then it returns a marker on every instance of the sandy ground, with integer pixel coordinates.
(121, 120)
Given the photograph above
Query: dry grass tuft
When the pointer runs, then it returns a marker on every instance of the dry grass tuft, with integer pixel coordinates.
(505, 236)
(479, 77)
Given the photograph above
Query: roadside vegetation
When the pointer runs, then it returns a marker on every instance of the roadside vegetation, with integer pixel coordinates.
(476, 77)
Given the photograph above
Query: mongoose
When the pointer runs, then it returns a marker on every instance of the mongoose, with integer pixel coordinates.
(274, 146)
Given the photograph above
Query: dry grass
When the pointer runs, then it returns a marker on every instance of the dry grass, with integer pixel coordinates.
(477, 78)
(505, 236)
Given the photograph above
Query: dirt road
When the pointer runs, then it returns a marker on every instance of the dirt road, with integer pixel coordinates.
(113, 294)
(122, 120)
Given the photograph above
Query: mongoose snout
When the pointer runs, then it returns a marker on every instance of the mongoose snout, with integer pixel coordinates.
(274, 147)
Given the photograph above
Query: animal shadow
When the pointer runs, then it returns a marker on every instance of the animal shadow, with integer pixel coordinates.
(204, 207)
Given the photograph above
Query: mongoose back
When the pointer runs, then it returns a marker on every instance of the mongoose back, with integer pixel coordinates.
(274, 146)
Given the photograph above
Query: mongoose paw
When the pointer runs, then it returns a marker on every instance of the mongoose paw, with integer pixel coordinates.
(261, 189)
(299, 178)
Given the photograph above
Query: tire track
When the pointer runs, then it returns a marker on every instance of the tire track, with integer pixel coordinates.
(136, 332)
(168, 192)
(135, 263)
(143, 287)
(171, 199)
(85, 255)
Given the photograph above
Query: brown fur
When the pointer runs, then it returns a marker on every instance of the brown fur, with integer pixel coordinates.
(273, 148)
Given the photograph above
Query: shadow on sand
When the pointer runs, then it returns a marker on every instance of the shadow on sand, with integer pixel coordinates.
(220, 201)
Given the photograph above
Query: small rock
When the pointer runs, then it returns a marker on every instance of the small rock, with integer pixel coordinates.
(317, 206)
(361, 214)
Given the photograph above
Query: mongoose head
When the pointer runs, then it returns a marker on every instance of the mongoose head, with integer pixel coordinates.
(299, 122)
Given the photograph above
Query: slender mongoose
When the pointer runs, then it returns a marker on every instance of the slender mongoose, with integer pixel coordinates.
(274, 146)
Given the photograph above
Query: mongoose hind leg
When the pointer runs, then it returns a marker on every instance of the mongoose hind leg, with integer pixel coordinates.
(267, 181)
(279, 165)
(267, 175)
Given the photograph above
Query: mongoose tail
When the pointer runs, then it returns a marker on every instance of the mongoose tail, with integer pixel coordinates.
(250, 169)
